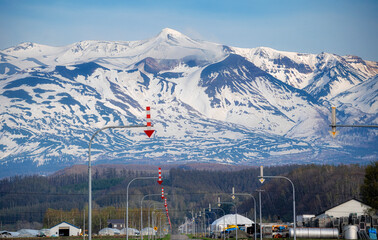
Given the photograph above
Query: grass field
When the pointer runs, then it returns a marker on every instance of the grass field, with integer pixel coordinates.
(167, 237)
(81, 238)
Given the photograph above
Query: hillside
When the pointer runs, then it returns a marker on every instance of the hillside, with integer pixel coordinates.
(26, 199)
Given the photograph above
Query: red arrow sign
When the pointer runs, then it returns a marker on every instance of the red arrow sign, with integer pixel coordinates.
(149, 131)
(159, 180)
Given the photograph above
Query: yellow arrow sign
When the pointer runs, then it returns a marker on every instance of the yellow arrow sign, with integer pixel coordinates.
(334, 133)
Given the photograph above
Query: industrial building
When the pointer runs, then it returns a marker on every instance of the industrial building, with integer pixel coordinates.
(352, 206)
(349, 218)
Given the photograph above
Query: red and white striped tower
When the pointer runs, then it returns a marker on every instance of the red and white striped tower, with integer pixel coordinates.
(149, 131)
(148, 112)
(159, 179)
(162, 193)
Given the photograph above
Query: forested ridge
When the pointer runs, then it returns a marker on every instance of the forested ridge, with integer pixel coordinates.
(50, 199)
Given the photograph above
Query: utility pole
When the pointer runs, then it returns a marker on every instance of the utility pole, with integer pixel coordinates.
(84, 225)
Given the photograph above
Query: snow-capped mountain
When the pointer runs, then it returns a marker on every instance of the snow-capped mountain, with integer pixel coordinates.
(210, 103)
(322, 75)
(168, 44)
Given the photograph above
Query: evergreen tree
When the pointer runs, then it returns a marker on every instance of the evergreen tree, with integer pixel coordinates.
(369, 189)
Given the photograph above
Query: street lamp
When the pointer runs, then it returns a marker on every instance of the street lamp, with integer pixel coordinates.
(127, 202)
(90, 173)
(254, 202)
(151, 220)
(191, 222)
(208, 218)
(292, 184)
(141, 210)
(154, 211)
(149, 132)
(224, 221)
(236, 215)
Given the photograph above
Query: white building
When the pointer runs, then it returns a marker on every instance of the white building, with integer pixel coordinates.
(106, 232)
(131, 231)
(28, 233)
(346, 208)
(148, 231)
(221, 223)
(65, 229)
(304, 217)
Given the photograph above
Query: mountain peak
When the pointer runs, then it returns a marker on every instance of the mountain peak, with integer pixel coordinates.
(21, 46)
(171, 35)
(167, 31)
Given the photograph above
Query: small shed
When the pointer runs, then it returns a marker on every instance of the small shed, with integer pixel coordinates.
(65, 229)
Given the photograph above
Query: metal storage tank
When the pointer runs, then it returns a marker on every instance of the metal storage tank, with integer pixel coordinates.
(315, 232)
(350, 232)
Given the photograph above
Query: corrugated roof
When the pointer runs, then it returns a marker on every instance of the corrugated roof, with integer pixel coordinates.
(66, 223)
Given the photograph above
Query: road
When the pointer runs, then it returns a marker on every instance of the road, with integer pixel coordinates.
(179, 237)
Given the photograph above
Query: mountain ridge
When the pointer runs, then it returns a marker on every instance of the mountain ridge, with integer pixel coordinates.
(210, 103)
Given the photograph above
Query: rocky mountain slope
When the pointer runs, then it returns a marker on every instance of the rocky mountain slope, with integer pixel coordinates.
(210, 103)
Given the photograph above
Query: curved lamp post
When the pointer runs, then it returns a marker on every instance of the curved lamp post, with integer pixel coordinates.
(224, 221)
(150, 219)
(192, 218)
(236, 215)
(292, 184)
(127, 202)
(154, 211)
(141, 210)
(90, 173)
(254, 202)
(208, 219)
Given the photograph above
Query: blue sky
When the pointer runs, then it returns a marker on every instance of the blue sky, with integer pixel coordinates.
(309, 26)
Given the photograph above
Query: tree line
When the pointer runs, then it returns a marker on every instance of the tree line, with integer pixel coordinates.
(51, 199)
